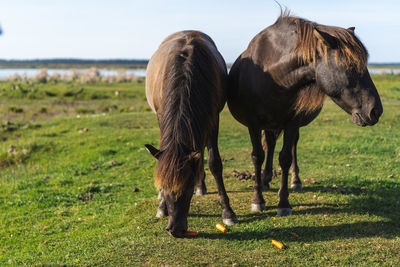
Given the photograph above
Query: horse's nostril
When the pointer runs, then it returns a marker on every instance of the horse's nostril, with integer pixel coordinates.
(373, 115)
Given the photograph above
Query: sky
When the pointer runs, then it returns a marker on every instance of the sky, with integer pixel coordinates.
(99, 29)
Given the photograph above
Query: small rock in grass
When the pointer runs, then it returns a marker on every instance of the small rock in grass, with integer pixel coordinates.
(135, 190)
(84, 130)
(11, 149)
(112, 162)
(390, 176)
(246, 175)
(310, 181)
(227, 159)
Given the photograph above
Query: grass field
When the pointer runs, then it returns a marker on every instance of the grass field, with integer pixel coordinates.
(76, 196)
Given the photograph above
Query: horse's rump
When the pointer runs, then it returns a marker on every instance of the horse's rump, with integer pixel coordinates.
(186, 87)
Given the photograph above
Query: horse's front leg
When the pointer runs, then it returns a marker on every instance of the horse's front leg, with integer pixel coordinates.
(294, 168)
(215, 165)
(257, 156)
(285, 160)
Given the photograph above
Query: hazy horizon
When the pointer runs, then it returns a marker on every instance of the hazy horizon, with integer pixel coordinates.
(144, 59)
(45, 29)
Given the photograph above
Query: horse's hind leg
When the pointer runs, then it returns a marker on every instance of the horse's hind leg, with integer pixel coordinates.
(201, 188)
(258, 202)
(270, 139)
(162, 208)
(215, 165)
(294, 169)
(285, 160)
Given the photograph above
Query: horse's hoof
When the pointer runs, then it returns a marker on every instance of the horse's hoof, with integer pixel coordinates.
(230, 221)
(258, 207)
(266, 187)
(297, 187)
(161, 213)
(201, 192)
(284, 211)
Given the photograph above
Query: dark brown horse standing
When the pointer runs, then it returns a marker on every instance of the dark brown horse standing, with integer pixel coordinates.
(186, 85)
(279, 84)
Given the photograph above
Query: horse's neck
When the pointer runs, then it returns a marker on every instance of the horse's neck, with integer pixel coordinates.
(288, 73)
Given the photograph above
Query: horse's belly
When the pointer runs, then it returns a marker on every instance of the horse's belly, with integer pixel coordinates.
(259, 113)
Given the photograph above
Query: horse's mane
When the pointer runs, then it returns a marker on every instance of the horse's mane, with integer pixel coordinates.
(188, 112)
(349, 48)
(348, 51)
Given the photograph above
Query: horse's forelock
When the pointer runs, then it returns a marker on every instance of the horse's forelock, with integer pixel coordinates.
(172, 169)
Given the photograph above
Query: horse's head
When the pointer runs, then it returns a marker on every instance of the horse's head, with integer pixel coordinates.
(177, 178)
(343, 75)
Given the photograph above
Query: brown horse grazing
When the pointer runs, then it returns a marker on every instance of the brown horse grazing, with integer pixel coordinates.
(279, 83)
(186, 86)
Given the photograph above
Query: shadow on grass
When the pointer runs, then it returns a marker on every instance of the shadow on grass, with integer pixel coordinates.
(229, 192)
(379, 198)
(314, 233)
(316, 208)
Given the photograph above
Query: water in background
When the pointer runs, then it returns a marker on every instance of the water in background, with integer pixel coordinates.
(383, 71)
(6, 73)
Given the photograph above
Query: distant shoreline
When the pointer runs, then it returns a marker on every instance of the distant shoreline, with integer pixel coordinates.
(72, 66)
(124, 66)
(384, 66)
(73, 63)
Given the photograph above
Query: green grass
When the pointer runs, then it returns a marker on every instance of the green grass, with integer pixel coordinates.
(67, 196)
(36, 102)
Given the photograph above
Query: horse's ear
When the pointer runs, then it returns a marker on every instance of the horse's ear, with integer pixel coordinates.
(153, 151)
(351, 29)
(325, 38)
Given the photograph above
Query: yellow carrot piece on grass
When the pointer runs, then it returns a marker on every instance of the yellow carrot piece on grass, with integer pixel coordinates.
(278, 244)
(221, 228)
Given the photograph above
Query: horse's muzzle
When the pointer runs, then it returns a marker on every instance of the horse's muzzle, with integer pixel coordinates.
(366, 120)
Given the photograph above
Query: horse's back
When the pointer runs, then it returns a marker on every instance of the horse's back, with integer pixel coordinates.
(160, 64)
